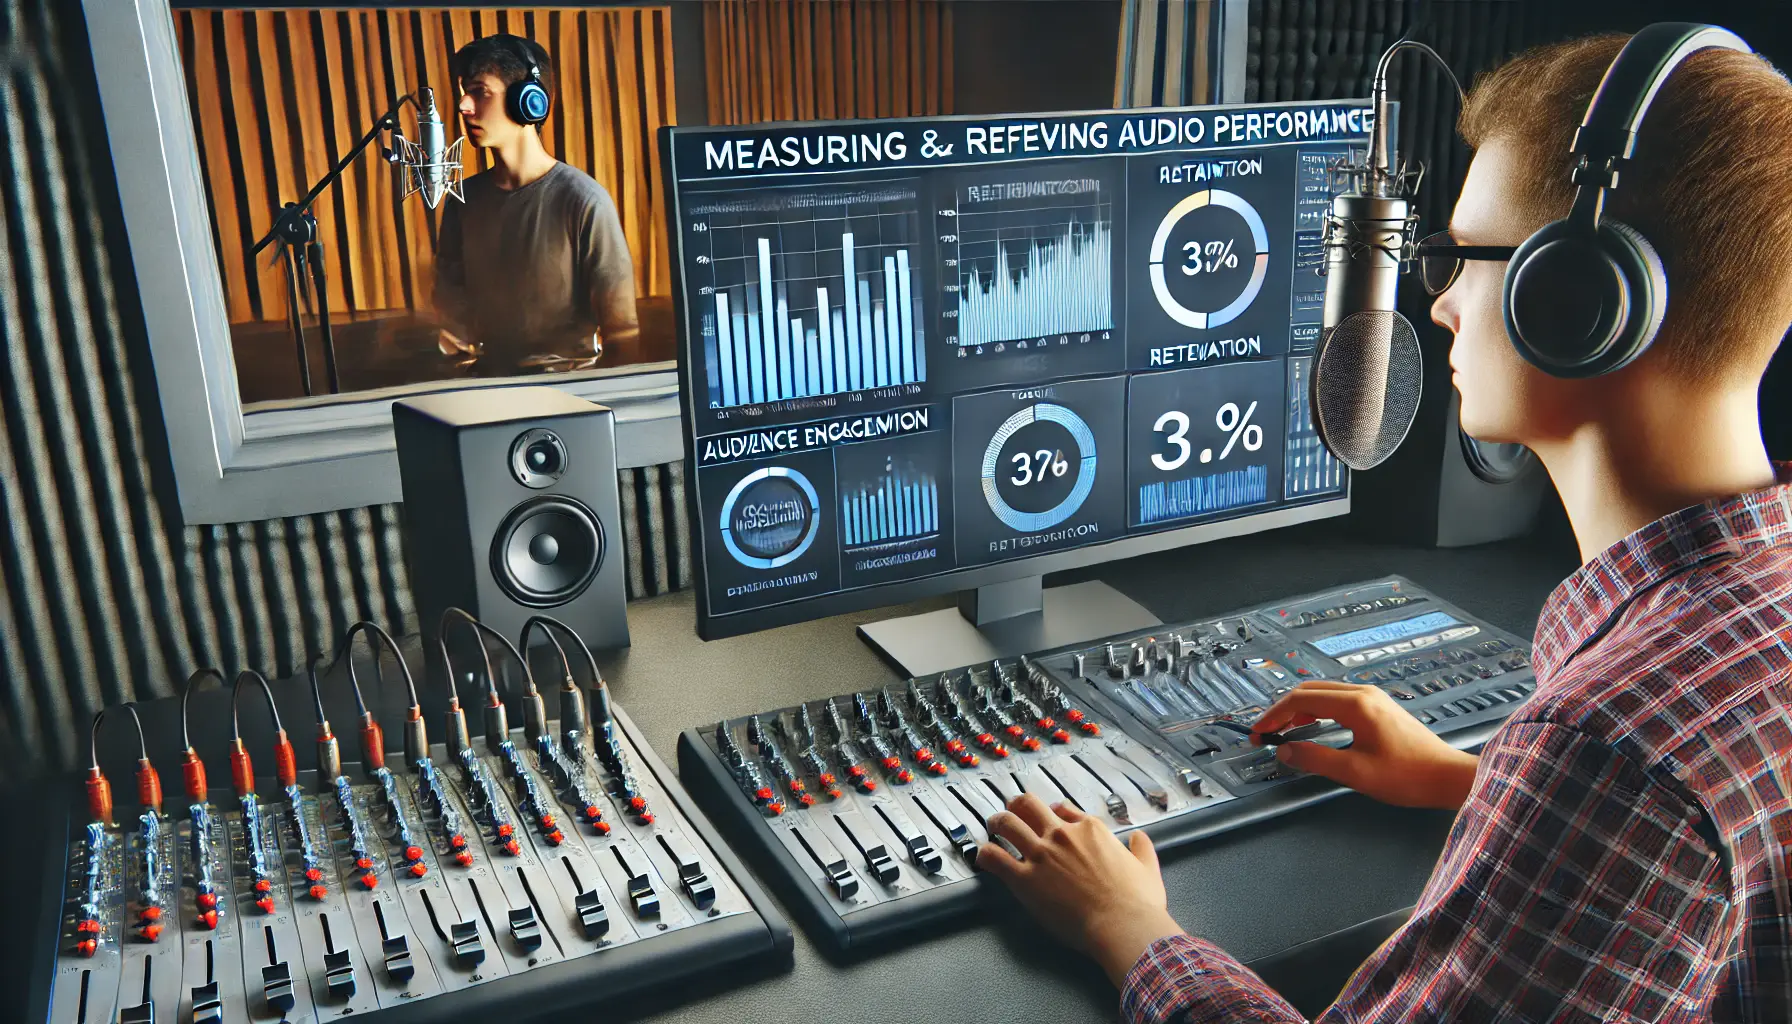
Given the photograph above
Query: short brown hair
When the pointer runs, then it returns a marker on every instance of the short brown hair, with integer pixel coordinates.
(505, 56)
(1710, 185)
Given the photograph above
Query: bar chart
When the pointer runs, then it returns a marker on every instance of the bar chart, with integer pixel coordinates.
(1034, 260)
(807, 293)
(901, 506)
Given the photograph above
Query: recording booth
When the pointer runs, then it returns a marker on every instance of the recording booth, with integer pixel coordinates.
(529, 509)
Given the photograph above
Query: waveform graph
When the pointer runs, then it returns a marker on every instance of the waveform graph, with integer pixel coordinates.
(804, 293)
(1202, 494)
(1028, 261)
(1205, 442)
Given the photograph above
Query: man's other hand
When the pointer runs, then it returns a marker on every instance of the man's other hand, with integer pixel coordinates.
(1087, 887)
(1394, 758)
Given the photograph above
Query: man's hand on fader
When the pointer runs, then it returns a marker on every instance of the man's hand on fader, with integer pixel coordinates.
(1393, 758)
(1086, 886)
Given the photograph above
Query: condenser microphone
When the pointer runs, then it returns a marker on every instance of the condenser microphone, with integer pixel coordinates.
(430, 137)
(431, 166)
(1367, 369)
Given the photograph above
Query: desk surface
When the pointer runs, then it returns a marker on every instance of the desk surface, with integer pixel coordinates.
(1255, 892)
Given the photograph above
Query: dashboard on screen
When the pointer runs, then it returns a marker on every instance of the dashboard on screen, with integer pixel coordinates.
(915, 349)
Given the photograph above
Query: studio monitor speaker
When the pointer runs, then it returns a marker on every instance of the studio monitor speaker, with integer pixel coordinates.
(511, 510)
(1445, 489)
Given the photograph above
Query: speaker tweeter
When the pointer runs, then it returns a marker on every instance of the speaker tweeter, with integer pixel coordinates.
(511, 507)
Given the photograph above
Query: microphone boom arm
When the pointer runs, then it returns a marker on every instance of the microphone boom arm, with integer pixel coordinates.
(283, 223)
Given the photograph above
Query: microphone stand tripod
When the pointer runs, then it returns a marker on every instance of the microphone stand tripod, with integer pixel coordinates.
(295, 227)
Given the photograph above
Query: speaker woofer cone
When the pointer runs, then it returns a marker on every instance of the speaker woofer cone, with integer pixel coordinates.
(1495, 463)
(547, 551)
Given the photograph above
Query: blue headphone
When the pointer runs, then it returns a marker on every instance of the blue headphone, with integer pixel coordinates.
(1586, 294)
(528, 102)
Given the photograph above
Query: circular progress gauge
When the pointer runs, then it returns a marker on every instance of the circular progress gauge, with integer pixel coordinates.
(770, 518)
(1205, 319)
(995, 472)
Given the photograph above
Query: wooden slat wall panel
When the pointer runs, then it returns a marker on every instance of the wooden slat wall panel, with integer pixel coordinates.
(280, 96)
(103, 599)
(779, 60)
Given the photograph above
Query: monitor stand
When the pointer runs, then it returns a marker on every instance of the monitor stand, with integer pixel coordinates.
(1003, 620)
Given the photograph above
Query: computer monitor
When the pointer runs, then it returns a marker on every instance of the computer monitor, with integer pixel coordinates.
(929, 355)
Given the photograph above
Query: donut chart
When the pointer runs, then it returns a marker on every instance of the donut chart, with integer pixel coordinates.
(779, 514)
(1160, 285)
(1084, 438)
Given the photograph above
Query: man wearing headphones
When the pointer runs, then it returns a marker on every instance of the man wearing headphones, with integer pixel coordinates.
(533, 269)
(1621, 845)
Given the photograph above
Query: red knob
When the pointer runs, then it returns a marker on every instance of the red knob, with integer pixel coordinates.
(904, 776)
(511, 847)
(806, 799)
(602, 828)
(1014, 731)
(314, 875)
(363, 864)
(555, 838)
(464, 859)
(593, 813)
(207, 900)
(209, 919)
(265, 904)
(1030, 743)
(87, 947)
(639, 804)
(644, 818)
(369, 880)
(151, 932)
(827, 778)
(318, 892)
(1074, 716)
(968, 759)
(413, 853)
(457, 842)
(936, 768)
(264, 886)
(1060, 736)
(505, 830)
(150, 914)
(1090, 727)
(419, 870)
(775, 807)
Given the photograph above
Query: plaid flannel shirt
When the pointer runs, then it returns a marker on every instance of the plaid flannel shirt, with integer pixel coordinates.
(1625, 852)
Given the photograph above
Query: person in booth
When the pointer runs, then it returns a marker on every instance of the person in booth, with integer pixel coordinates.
(1623, 843)
(532, 270)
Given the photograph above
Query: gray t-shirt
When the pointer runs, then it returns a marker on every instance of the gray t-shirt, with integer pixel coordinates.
(539, 270)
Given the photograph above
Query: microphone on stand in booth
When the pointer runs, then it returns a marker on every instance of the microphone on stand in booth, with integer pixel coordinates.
(1367, 370)
(432, 167)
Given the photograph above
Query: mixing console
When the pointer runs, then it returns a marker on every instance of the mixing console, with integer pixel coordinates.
(865, 811)
(522, 873)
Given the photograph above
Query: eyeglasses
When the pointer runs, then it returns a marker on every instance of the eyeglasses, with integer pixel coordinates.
(1440, 259)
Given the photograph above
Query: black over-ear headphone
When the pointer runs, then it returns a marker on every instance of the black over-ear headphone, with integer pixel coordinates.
(1585, 295)
(528, 102)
